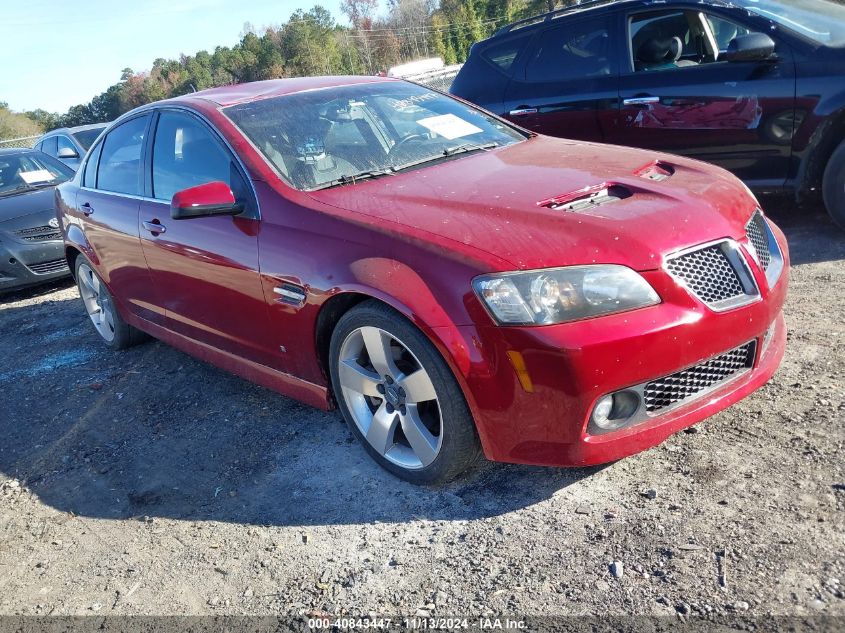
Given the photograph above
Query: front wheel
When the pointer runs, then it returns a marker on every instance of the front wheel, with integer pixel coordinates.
(833, 186)
(399, 396)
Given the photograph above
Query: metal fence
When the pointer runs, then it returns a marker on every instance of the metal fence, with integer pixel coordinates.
(441, 79)
(24, 141)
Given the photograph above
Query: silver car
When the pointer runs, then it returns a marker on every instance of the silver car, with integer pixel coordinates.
(69, 144)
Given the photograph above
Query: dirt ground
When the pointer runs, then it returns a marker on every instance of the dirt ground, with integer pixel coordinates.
(145, 482)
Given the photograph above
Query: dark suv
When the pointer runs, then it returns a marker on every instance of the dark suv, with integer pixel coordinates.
(754, 86)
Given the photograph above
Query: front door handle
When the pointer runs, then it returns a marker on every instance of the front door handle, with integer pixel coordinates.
(87, 209)
(155, 227)
(523, 111)
(640, 101)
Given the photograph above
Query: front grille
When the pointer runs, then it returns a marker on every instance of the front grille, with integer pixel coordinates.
(756, 231)
(39, 234)
(669, 390)
(709, 274)
(53, 266)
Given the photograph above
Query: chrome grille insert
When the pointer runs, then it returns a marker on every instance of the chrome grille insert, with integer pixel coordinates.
(715, 273)
(694, 381)
(756, 231)
(765, 247)
(45, 268)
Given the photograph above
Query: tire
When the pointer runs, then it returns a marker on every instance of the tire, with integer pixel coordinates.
(833, 186)
(101, 309)
(418, 438)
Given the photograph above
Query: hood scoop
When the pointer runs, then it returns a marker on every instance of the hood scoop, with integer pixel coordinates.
(656, 171)
(588, 197)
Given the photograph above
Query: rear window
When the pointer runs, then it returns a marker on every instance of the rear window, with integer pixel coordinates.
(86, 138)
(574, 51)
(120, 160)
(504, 54)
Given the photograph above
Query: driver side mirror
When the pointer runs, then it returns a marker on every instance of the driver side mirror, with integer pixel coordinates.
(754, 47)
(67, 152)
(213, 198)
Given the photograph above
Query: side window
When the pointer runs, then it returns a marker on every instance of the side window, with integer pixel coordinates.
(64, 143)
(503, 55)
(186, 154)
(48, 146)
(575, 51)
(724, 31)
(120, 161)
(89, 178)
(665, 40)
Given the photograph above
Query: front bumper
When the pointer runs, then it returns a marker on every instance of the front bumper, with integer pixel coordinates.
(571, 366)
(29, 264)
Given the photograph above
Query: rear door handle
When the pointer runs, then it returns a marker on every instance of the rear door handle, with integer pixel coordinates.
(639, 101)
(87, 209)
(524, 111)
(155, 227)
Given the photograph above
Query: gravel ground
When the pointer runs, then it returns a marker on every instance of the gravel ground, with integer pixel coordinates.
(146, 482)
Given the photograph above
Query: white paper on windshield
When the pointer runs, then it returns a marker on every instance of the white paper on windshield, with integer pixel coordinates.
(37, 175)
(449, 126)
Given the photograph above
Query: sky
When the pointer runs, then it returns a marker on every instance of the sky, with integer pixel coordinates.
(59, 53)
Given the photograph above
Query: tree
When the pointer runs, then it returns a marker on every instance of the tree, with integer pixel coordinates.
(45, 120)
(312, 43)
(359, 12)
(16, 125)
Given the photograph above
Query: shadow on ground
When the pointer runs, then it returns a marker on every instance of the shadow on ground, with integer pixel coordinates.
(152, 432)
(812, 235)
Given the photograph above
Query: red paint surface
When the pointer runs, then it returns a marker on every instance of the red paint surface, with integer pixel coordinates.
(415, 241)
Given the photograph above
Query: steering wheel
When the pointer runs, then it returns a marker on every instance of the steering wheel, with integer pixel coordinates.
(406, 139)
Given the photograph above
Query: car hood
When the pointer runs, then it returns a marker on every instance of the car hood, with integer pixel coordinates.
(27, 203)
(506, 202)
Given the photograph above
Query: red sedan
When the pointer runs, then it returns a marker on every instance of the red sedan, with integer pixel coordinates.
(452, 283)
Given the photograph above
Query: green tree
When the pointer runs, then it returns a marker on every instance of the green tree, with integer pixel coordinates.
(46, 120)
(16, 125)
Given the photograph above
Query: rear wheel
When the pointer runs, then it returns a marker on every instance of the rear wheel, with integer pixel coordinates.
(399, 396)
(833, 186)
(101, 309)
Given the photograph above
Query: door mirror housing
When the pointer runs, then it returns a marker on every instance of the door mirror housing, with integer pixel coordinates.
(67, 152)
(213, 198)
(754, 47)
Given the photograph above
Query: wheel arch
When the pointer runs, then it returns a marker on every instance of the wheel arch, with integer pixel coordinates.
(446, 339)
(76, 245)
(824, 141)
(71, 254)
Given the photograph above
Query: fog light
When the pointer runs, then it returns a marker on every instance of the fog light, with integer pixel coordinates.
(615, 411)
(601, 414)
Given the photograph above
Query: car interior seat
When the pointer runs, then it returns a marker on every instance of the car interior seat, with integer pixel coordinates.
(660, 54)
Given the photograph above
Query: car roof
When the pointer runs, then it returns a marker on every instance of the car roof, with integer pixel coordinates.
(597, 5)
(241, 93)
(77, 128)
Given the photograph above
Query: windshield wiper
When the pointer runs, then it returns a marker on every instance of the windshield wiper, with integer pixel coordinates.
(446, 153)
(351, 180)
(15, 190)
(389, 171)
(468, 147)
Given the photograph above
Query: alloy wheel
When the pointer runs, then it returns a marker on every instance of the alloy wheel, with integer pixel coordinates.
(391, 397)
(97, 302)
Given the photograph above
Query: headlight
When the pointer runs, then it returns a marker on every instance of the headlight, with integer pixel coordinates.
(557, 295)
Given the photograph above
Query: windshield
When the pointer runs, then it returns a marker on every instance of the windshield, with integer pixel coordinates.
(819, 20)
(30, 170)
(324, 138)
(86, 138)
